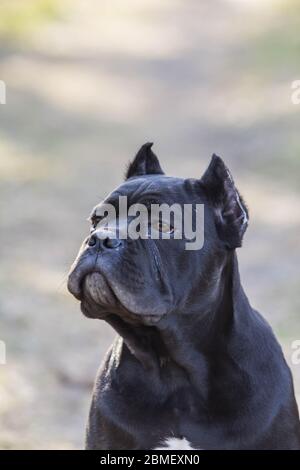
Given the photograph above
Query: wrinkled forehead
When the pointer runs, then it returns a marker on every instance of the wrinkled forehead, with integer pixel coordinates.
(157, 187)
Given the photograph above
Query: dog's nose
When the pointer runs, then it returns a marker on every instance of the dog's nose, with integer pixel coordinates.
(110, 243)
(93, 240)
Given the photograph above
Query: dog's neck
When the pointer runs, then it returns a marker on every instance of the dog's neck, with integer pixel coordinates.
(188, 339)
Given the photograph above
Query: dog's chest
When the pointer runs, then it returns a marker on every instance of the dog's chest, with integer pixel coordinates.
(180, 411)
(153, 405)
(182, 404)
(180, 417)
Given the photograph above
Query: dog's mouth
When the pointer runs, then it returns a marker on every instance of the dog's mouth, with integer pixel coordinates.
(86, 282)
(95, 286)
(99, 298)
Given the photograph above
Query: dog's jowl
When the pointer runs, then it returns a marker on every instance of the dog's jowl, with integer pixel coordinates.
(192, 360)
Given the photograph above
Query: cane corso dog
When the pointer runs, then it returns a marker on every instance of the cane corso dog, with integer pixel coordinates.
(192, 359)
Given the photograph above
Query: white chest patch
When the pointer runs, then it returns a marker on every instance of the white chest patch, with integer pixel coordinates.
(173, 443)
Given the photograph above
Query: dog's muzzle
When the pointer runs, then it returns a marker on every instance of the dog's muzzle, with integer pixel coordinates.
(86, 262)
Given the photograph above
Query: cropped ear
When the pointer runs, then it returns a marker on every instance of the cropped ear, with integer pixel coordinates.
(230, 211)
(144, 163)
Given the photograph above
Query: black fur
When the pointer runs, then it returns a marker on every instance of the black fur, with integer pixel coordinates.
(231, 213)
(144, 163)
(191, 358)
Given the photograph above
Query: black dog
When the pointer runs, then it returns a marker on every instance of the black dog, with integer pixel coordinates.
(192, 359)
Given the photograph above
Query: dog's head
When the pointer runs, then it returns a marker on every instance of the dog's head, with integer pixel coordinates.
(144, 279)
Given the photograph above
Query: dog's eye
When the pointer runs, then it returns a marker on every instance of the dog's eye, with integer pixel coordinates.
(163, 227)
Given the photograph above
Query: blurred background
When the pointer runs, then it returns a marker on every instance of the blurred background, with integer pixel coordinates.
(88, 82)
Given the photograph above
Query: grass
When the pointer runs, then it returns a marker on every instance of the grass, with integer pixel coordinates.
(277, 49)
(20, 17)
